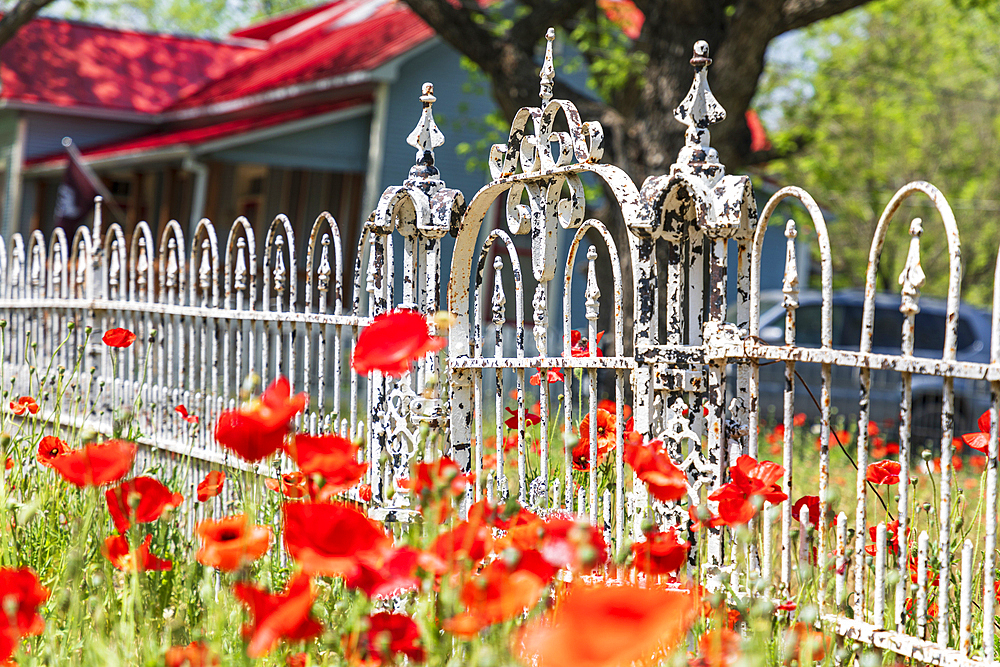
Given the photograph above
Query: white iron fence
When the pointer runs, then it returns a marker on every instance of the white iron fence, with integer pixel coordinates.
(215, 314)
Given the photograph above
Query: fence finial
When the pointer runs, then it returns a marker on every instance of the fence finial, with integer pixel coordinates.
(698, 110)
(912, 277)
(548, 71)
(425, 137)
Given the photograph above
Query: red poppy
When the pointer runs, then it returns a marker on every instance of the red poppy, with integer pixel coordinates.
(118, 337)
(116, 550)
(330, 538)
(333, 457)
(8, 464)
(606, 429)
(392, 342)
(436, 483)
(580, 346)
(211, 486)
(470, 540)
(300, 659)
(530, 419)
(183, 412)
(497, 593)
(891, 538)
(884, 472)
(258, 430)
(291, 485)
(387, 636)
(552, 376)
(609, 626)
(503, 516)
(812, 502)
(141, 500)
(873, 428)
(665, 480)
(23, 405)
(612, 407)
(230, 543)
(365, 492)
(195, 654)
(717, 648)
(571, 544)
(21, 595)
(278, 616)
(96, 465)
(805, 644)
(661, 552)
(49, 448)
(748, 479)
(396, 573)
(933, 578)
(799, 419)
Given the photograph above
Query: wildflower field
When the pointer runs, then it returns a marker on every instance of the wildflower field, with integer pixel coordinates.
(104, 563)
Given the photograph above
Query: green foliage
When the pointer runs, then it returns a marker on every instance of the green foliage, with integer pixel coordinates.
(613, 63)
(898, 92)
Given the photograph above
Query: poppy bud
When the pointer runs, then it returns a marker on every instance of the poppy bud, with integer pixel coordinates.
(926, 455)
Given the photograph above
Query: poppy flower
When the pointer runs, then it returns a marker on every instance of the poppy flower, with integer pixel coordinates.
(118, 337)
(396, 573)
(365, 492)
(276, 617)
(230, 543)
(799, 419)
(211, 486)
(884, 472)
(330, 538)
(568, 543)
(8, 464)
(116, 550)
(387, 636)
(97, 464)
(183, 412)
(195, 654)
(291, 485)
(612, 407)
(606, 429)
(300, 659)
(258, 430)
(436, 483)
(552, 376)
(469, 540)
(580, 346)
(49, 448)
(662, 552)
(497, 593)
(891, 538)
(812, 502)
(22, 595)
(332, 456)
(804, 644)
(141, 500)
(530, 419)
(664, 479)
(609, 626)
(392, 342)
(749, 479)
(717, 648)
(24, 405)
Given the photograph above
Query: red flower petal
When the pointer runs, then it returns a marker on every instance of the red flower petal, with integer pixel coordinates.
(211, 486)
(257, 431)
(118, 337)
(392, 342)
(96, 465)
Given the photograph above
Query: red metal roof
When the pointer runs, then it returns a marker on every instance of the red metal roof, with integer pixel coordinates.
(342, 37)
(74, 64)
(191, 137)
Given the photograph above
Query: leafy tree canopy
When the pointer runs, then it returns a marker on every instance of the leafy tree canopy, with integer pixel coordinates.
(903, 90)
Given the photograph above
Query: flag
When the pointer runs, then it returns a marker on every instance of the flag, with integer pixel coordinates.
(75, 196)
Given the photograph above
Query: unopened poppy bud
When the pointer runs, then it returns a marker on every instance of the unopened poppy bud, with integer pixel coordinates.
(443, 320)
(959, 522)
(892, 578)
(4, 441)
(69, 325)
(250, 384)
(926, 455)
(152, 335)
(88, 434)
(88, 330)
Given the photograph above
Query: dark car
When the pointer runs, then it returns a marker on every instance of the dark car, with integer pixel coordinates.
(972, 397)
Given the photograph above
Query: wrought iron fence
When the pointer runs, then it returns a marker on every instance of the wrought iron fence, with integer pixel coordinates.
(214, 315)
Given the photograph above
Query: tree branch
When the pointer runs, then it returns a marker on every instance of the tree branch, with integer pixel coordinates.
(458, 28)
(22, 12)
(800, 13)
(529, 29)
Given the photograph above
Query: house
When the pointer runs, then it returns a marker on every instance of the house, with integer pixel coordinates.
(288, 116)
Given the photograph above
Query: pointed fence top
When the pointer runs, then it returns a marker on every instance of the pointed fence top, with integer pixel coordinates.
(548, 71)
(426, 136)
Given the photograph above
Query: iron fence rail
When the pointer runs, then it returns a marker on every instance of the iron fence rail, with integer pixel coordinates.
(212, 314)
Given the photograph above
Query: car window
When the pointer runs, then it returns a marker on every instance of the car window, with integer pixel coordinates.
(930, 329)
(887, 332)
